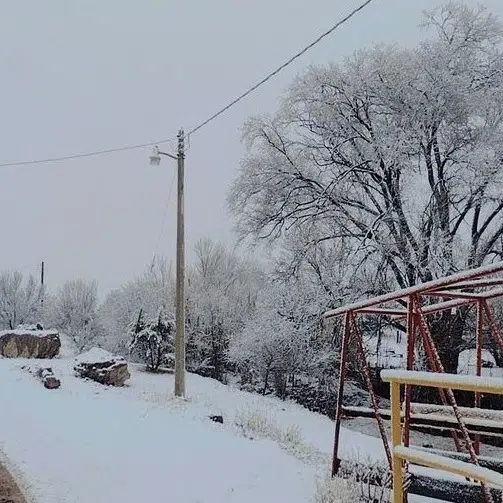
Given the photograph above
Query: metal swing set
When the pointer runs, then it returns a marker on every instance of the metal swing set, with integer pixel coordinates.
(411, 307)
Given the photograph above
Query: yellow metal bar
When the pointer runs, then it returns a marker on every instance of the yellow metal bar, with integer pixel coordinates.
(396, 438)
(446, 381)
(455, 466)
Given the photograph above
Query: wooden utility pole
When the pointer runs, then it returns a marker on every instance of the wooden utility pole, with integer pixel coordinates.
(155, 159)
(42, 282)
(180, 274)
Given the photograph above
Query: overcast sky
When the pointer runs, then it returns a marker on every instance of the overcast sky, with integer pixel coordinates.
(87, 75)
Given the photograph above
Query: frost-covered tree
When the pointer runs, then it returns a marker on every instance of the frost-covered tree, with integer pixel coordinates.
(221, 295)
(395, 153)
(151, 292)
(73, 311)
(20, 302)
(152, 340)
(284, 337)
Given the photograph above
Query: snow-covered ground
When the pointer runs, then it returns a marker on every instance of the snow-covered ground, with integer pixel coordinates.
(89, 443)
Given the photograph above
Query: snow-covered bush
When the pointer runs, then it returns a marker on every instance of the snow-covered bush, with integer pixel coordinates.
(151, 292)
(152, 341)
(336, 490)
(257, 423)
(372, 480)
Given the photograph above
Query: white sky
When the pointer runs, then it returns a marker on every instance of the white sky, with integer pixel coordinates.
(87, 75)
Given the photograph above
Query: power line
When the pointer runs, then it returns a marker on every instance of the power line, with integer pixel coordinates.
(280, 68)
(209, 119)
(164, 217)
(86, 154)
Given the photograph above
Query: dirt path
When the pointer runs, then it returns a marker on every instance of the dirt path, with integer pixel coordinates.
(9, 490)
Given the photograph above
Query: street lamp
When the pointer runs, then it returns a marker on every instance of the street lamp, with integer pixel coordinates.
(155, 160)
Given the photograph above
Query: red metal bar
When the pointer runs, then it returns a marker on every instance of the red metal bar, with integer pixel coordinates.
(423, 287)
(494, 331)
(336, 462)
(447, 294)
(432, 361)
(478, 367)
(411, 342)
(382, 311)
(442, 306)
(362, 360)
(476, 283)
(425, 331)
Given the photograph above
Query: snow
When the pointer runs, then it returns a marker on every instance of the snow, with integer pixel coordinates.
(97, 355)
(86, 442)
(68, 347)
(34, 333)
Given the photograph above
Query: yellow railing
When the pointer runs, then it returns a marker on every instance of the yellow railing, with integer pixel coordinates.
(400, 453)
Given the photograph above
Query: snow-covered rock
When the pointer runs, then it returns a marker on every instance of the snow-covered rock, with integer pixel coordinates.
(103, 367)
(25, 343)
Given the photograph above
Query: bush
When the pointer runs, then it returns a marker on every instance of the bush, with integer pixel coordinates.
(336, 490)
(257, 423)
(152, 341)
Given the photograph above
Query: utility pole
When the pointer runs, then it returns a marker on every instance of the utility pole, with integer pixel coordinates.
(180, 273)
(42, 283)
(155, 159)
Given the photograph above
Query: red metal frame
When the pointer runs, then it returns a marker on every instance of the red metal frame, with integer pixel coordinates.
(465, 289)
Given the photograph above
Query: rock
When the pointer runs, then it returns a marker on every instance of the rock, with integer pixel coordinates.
(22, 343)
(217, 419)
(49, 380)
(45, 375)
(103, 367)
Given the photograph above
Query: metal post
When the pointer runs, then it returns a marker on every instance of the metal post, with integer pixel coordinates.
(396, 439)
(180, 275)
(411, 343)
(478, 369)
(340, 393)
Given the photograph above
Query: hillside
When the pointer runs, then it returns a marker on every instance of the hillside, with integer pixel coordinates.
(85, 442)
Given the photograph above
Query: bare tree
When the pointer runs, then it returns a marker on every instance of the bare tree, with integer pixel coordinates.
(73, 311)
(222, 290)
(19, 303)
(396, 152)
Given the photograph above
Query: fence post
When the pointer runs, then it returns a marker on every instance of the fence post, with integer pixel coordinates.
(396, 437)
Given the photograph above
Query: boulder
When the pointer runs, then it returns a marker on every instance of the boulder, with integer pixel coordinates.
(22, 343)
(103, 367)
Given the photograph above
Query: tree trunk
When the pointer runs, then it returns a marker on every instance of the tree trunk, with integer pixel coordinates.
(447, 333)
